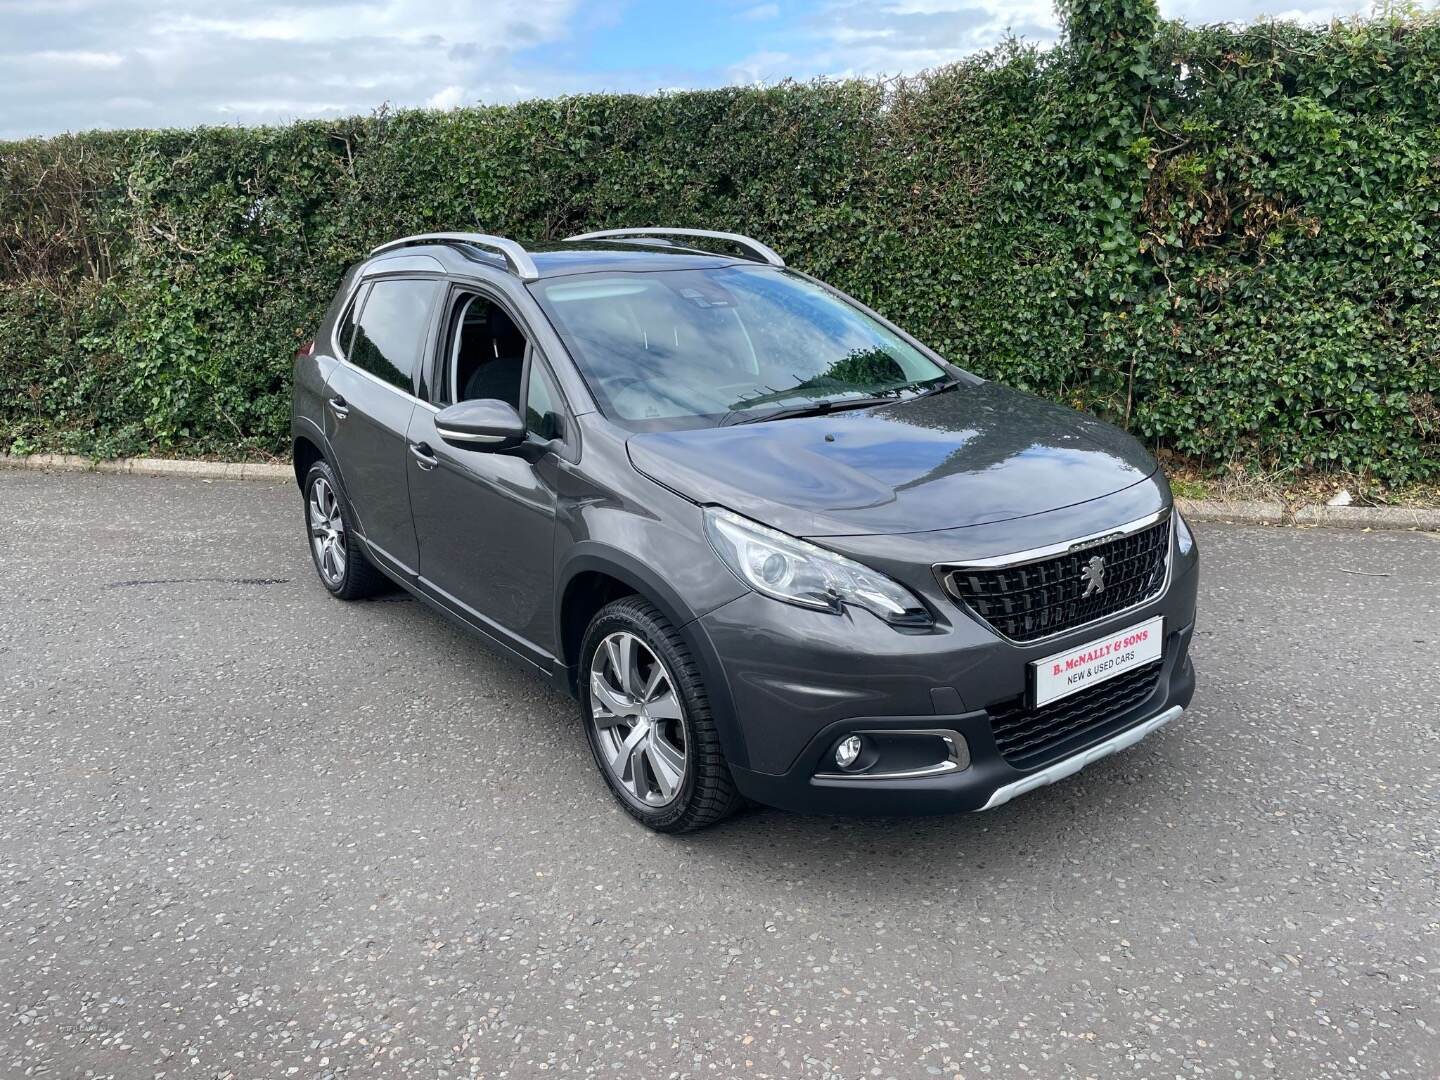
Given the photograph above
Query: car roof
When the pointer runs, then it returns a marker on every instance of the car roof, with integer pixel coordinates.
(562, 259)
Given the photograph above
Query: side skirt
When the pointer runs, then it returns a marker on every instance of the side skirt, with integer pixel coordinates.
(547, 668)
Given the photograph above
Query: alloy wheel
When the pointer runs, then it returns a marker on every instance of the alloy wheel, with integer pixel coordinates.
(327, 533)
(638, 719)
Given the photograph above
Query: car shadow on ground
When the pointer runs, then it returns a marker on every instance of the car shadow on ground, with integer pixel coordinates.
(1061, 843)
(1055, 832)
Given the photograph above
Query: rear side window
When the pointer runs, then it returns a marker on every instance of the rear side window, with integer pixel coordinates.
(391, 330)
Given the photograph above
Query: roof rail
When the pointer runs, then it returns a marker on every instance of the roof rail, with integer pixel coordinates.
(761, 251)
(516, 257)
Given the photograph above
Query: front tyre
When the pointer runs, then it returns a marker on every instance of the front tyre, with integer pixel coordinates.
(647, 718)
(339, 557)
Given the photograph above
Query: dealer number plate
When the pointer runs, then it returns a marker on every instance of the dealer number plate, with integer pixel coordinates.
(1071, 671)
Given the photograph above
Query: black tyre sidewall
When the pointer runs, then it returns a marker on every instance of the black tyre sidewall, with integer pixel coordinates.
(345, 590)
(634, 615)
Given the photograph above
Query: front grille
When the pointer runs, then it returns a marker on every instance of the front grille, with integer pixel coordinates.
(1038, 599)
(1028, 737)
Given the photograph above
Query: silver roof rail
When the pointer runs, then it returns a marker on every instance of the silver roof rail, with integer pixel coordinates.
(765, 254)
(516, 257)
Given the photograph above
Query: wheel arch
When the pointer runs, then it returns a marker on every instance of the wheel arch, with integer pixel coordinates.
(596, 575)
(308, 445)
(304, 454)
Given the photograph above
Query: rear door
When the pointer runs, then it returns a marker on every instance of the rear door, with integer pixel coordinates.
(369, 400)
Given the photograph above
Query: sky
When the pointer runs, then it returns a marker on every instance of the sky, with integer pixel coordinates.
(73, 65)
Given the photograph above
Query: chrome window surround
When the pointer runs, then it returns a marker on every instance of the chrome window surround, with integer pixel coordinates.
(436, 409)
(957, 756)
(371, 275)
(340, 355)
(361, 282)
(944, 571)
(356, 369)
(761, 251)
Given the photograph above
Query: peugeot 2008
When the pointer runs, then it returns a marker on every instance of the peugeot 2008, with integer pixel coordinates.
(777, 548)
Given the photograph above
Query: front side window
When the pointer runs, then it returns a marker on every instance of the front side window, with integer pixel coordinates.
(690, 348)
(390, 333)
(487, 354)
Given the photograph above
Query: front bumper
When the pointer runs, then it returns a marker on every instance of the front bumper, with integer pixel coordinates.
(1075, 762)
(798, 682)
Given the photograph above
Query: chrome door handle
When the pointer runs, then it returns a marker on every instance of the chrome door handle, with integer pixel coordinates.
(424, 456)
(339, 407)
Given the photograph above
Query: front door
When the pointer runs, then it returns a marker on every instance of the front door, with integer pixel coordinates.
(485, 520)
(370, 399)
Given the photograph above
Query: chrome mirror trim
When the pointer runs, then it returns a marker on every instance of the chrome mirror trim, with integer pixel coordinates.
(467, 436)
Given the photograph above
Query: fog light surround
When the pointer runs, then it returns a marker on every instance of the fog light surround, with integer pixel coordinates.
(848, 752)
(872, 754)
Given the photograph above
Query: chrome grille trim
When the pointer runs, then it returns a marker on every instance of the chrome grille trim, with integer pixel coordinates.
(945, 572)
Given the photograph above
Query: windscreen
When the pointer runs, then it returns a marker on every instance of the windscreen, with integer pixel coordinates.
(687, 348)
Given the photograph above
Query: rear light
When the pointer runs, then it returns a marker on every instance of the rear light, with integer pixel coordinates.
(308, 349)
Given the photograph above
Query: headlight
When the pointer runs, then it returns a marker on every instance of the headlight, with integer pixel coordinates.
(791, 570)
(1184, 538)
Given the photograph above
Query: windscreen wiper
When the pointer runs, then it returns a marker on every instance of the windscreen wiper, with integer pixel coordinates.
(815, 408)
(948, 384)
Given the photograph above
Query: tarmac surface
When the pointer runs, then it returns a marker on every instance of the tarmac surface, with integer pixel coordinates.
(249, 831)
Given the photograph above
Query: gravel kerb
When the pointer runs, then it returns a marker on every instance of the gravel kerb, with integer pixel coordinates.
(1240, 512)
(196, 470)
(1335, 517)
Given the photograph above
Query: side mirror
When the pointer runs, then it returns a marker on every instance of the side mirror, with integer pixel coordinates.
(481, 425)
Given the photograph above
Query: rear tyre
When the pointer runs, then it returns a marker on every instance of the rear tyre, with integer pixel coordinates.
(647, 718)
(337, 551)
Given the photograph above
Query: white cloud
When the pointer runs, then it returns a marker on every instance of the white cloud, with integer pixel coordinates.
(407, 22)
(1234, 11)
(446, 99)
(1323, 14)
(761, 13)
(78, 64)
(269, 109)
(899, 37)
(77, 58)
(896, 37)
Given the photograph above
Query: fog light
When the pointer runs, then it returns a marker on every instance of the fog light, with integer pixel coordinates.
(848, 751)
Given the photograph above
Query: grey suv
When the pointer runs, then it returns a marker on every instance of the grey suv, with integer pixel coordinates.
(776, 547)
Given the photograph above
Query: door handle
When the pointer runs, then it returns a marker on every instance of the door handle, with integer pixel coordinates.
(339, 407)
(424, 456)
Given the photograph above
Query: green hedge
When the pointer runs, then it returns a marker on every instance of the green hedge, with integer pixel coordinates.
(1226, 240)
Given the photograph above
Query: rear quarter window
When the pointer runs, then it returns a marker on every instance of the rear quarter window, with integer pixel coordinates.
(345, 328)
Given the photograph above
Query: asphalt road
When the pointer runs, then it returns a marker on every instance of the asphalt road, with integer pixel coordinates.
(249, 831)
